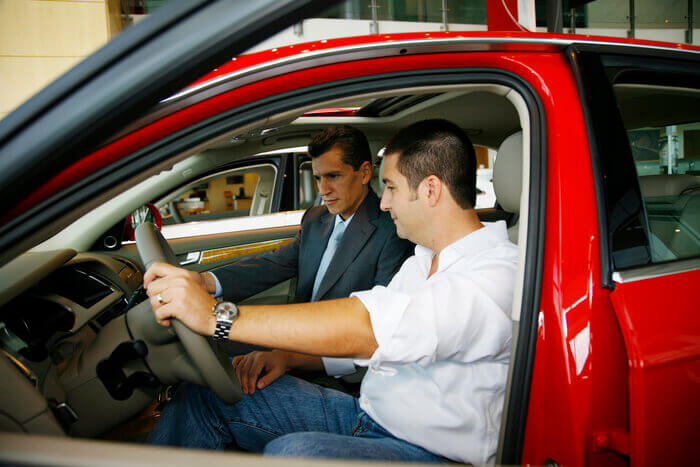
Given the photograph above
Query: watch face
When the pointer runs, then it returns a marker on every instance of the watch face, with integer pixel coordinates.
(226, 310)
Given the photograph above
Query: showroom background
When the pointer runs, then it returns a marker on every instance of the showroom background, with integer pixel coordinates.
(41, 39)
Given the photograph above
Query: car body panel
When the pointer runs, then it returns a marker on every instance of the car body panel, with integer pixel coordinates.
(561, 401)
(661, 338)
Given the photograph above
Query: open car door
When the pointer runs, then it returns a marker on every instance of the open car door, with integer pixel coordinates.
(94, 101)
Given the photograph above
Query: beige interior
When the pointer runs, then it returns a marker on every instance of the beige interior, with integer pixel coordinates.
(499, 116)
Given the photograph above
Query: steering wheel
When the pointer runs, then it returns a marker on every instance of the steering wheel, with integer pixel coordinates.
(209, 358)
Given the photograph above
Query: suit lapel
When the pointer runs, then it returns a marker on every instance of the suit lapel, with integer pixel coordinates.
(315, 245)
(355, 237)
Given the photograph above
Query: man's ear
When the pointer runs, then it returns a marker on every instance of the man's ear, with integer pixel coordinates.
(366, 171)
(432, 189)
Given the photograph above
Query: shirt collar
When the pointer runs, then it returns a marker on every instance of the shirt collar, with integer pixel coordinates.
(470, 245)
(339, 220)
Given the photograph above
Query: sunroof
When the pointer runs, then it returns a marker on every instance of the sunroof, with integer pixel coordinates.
(333, 112)
(386, 106)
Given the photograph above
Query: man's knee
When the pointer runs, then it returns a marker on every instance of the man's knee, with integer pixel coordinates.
(295, 444)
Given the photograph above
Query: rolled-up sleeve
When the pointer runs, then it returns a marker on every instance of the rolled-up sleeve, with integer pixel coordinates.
(426, 325)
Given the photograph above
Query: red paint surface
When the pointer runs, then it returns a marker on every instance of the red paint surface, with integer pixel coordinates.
(561, 402)
(661, 328)
(265, 56)
(502, 15)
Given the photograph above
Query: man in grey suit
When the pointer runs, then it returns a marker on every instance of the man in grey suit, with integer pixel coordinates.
(347, 245)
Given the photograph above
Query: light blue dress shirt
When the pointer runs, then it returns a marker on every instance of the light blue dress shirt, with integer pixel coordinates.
(333, 242)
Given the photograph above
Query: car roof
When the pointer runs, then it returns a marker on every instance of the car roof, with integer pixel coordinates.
(534, 41)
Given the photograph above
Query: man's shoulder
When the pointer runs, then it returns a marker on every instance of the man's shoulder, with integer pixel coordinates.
(383, 220)
(314, 214)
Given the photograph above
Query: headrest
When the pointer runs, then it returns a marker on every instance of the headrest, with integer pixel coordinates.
(376, 182)
(508, 172)
(667, 184)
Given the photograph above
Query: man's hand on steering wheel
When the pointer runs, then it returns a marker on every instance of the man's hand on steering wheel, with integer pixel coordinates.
(178, 293)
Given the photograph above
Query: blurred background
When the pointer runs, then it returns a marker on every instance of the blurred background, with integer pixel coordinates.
(41, 39)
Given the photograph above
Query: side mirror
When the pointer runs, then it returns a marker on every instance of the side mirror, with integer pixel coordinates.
(146, 213)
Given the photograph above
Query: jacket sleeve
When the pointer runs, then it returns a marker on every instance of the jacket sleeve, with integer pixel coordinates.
(249, 276)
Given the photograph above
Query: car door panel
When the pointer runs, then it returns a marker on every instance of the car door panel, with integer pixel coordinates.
(213, 251)
(658, 319)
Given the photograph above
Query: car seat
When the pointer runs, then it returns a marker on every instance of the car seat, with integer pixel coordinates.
(508, 178)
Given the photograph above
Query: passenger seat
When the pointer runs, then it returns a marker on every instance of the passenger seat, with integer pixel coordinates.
(508, 178)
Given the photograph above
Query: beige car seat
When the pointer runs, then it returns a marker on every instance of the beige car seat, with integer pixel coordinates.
(508, 178)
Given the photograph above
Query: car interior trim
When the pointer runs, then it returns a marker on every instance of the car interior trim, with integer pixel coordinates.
(241, 250)
(20, 274)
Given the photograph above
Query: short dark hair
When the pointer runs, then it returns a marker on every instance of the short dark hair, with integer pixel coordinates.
(350, 140)
(437, 147)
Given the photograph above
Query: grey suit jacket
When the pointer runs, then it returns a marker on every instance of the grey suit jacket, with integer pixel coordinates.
(369, 254)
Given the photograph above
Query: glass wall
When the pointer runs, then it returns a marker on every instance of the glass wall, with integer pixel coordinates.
(666, 20)
(643, 19)
(418, 11)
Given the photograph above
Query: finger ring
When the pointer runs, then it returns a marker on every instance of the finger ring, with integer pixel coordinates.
(160, 300)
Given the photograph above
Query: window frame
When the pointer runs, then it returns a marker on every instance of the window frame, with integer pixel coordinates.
(172, 194)
(622, 219)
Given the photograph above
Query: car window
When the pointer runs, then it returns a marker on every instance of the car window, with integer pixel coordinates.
(667, 160)
(241, 192)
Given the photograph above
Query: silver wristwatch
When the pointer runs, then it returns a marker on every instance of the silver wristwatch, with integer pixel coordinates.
(226, 313)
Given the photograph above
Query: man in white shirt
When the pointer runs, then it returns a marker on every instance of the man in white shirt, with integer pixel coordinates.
(436, 339)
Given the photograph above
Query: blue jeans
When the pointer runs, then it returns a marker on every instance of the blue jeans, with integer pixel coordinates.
(291, 417)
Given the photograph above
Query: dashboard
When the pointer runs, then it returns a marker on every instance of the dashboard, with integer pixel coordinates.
(53, 306)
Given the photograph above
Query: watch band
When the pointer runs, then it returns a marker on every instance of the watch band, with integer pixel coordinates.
(222, 330)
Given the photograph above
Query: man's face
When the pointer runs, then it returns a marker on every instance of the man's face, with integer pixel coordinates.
(341, 187)
(400, 200)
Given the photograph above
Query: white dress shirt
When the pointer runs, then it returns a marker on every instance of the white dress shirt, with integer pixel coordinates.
(438, 376)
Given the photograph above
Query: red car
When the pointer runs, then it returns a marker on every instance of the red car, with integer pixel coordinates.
(595, 143)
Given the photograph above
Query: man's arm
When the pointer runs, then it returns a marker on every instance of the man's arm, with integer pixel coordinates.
(249, 276)
(335, 328)
(339, 328)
